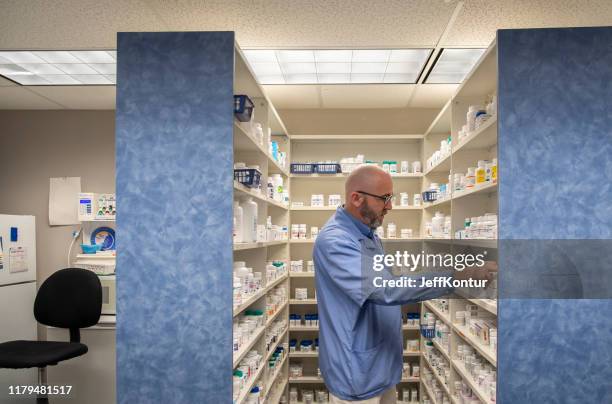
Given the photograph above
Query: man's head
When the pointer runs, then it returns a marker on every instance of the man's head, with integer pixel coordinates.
(368, 191)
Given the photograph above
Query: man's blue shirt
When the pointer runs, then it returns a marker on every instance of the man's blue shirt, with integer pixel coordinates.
(360, 327)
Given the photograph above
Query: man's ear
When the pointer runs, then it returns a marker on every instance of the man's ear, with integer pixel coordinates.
(354, 199)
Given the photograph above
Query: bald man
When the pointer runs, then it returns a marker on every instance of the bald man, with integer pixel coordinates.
(360, 330)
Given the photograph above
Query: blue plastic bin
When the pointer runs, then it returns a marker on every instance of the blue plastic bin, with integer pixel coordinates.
(302, 168)
(327, 168)
(430, 196)
(248, 177)
(243, 108)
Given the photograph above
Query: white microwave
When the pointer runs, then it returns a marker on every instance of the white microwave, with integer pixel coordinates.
(109, 294)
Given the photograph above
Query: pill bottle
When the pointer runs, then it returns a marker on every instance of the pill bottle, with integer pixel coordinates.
(249, 224)
(391, 230)
(404, 167)
(481, 174)
(238, 223)
(471, 117)
(470, 178)
(295, 231)
(494, 171)
(310, 266)
(488, 172)
(393, 167)
(437, 225)
(404, 199)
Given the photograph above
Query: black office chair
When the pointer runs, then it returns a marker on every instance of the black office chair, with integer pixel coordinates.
(70, 298)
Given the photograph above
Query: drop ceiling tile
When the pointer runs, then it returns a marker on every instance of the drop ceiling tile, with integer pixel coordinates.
(293, 96)
(480, 19)
(432, 95)
(66, 24)
(18, 97)
(80, 97)
(366, 95)
(315, 24)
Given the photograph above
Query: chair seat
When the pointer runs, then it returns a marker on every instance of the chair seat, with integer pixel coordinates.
(30, 354)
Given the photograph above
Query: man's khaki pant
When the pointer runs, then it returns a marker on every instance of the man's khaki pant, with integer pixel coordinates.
(388, 397)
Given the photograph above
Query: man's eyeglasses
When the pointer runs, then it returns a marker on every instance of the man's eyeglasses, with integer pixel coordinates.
(385, 198)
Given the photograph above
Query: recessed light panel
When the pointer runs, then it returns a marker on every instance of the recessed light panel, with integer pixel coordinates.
(336, 66)
(59, 68)
(453, 65)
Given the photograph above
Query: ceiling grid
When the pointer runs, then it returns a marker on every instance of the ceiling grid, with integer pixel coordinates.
(93, 24)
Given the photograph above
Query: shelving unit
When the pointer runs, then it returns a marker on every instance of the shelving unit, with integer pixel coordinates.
(248, 150)
(324, 148)
(479, 145)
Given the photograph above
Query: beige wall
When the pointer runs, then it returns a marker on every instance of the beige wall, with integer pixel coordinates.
(37, 145)
(357, 121)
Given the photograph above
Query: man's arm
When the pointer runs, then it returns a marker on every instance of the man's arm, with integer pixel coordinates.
(341, 259)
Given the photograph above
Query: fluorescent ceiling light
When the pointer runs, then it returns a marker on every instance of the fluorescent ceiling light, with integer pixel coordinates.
(57, 57)
(94, 56)
(104, 68)
(76, 68)
(367, 78)
(266, 68)
(336, 66)
(28, 79)
(331, 56)
(52, 67)
(60, 79)
(333, 68)
(362, 68)
(298, 68)
(271, 79)
(22, 57)
(13, 70)
(301, 78)
(292, 56)
(371, 55)
(260, 56)
(453, 66)
(334, 78)
(394, 78)
(418, 56)
(41, 68)
(91, 78)
(403, 67)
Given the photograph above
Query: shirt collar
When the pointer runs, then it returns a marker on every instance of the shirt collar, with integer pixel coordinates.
(362, 227)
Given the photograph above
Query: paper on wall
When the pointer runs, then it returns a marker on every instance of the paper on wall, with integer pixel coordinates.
(1, 255)
(63, 200)
(18, 259)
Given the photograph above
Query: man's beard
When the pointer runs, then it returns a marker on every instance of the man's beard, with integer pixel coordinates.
(373, 220)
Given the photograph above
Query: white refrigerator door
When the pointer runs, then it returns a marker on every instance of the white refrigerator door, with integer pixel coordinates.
(18, 257)
(17, 323)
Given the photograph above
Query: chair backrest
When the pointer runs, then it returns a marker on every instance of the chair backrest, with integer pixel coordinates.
(70, 298)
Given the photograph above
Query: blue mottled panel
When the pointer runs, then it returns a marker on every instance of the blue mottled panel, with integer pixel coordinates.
(555, 148)
(174, 144)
